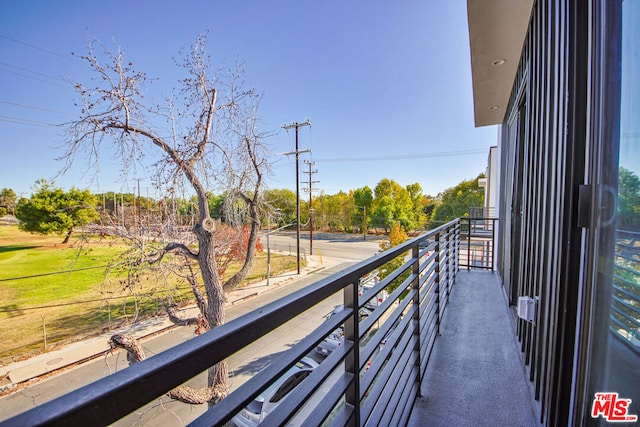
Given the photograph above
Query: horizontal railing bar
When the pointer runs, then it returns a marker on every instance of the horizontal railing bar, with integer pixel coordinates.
(402, 328)
(425, 351)
(408, 404)
(623, 327)
(629, 258)
(371, 320)
(263, 379)
(371, 346)
(628, 270)
(332, 398)
(344, 417)
(397, 409)
(294, 401)
(624, 315)
(631, 295)
(406, 360)
(389, 373)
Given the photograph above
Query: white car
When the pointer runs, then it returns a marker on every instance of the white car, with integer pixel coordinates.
(375, 301)
(270, 398)
(336, 338)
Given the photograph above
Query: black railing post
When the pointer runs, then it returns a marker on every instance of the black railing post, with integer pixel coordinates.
(352, 361)
(469, 245)
(437, 283)
(493, 242)
(447, 260)
(415, 251)
(458, 245)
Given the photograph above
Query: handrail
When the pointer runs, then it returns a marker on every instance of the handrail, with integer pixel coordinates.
(375, 375)
(479, 235)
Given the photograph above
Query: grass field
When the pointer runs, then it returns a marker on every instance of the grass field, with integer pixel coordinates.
(59, 293)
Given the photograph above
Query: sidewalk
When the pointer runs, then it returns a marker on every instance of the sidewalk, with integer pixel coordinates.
(91, 348)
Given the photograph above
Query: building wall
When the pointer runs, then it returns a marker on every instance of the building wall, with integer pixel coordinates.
(559, 155)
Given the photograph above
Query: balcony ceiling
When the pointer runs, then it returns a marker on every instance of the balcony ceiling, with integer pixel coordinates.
(497, 29)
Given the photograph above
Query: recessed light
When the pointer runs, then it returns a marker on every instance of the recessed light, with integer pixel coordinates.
(493, 107)
(498, 62)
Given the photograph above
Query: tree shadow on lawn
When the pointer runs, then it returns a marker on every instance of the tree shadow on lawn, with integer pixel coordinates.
(12, 248)
(92, 321)
(12, 310)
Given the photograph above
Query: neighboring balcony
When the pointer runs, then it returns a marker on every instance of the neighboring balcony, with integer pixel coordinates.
(438, 349)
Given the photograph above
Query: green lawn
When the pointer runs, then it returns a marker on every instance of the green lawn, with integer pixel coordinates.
(61, 289)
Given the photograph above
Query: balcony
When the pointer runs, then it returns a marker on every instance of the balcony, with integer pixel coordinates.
(440, 350)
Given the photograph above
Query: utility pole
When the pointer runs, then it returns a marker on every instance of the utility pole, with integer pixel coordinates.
(296, 126)
(364, 223)
(310, 182)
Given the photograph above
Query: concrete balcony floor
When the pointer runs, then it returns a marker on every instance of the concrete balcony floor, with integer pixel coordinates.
(475, 376)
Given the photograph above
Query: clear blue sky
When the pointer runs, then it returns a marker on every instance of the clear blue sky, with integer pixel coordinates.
(386, 85)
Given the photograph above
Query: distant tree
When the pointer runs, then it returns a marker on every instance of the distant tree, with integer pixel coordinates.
(418, 204)
(339, 209)
(392, 203)
(216, 205)
(282, 205)
(628, 200)
(51, 210)
(363, 199)
(8, 201)
(456, 201)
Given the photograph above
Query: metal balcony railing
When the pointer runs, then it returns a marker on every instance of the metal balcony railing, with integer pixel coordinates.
(373, 378)
(477, 242)
(625, 298)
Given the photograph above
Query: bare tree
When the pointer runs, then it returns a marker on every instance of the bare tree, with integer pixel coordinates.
(207, 134)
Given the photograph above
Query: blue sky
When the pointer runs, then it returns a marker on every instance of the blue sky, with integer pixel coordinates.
(386, 85)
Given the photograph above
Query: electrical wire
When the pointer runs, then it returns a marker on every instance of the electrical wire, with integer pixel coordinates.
(32, 71)
(31, 77)
(35, 108)
(70, 58)
(20, 121)
(403, 156)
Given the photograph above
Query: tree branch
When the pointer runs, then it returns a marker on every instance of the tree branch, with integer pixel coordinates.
(177, 320)
(174, 246)
(182, 393)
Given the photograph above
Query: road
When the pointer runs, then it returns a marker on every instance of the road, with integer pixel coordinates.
(350, 246)
(243, 365)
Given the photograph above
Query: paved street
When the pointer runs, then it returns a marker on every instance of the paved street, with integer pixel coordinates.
(242, 365)
(343, 246)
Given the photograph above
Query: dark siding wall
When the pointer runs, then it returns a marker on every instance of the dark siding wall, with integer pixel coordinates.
(543, 165)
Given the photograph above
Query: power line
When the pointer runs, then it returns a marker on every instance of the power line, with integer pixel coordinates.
(31, 77)
(35, 108)
(39, 48)
(33, 72)
(27, 122)
(403, 156)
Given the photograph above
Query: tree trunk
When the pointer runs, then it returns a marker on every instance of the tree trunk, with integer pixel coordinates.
(67, 237)
(218, 374)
